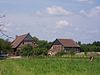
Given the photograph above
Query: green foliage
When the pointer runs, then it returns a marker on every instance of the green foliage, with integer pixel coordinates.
(60, 53)
(96, 43)
(26, 51)
(95, 48)
(84, 48)
(2, 42)
(49, 66)
(90, 48)
(43, 47)
(79, 42)
(35, 39)
(72, 51)
(39, 51)
(44, 44)
(4, 46)
(85, 53)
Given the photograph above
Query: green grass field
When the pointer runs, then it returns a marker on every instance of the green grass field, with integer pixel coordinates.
(49, 66)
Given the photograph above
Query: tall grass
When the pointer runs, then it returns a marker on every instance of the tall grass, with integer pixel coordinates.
(49, 66)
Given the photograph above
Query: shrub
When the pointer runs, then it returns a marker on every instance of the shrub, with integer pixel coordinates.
(26, 51)
(5, 46)
(72, 51)
(60, 53)
(39, 51)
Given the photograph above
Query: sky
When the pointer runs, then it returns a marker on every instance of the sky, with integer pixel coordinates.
(51, 19)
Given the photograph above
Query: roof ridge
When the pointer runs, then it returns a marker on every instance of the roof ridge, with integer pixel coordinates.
(22, 37)
(66, 41)
(63, 39)
(23, 34)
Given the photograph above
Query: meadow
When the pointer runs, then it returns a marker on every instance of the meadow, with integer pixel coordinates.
(50, 66)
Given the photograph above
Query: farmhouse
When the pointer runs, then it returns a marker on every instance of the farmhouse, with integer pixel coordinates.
(63, 44)
(22, 40)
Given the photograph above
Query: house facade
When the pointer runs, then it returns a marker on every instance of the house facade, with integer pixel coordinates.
(63, 44)
(22, 40)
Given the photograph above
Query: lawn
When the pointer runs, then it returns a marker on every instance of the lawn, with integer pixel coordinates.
(49, 66)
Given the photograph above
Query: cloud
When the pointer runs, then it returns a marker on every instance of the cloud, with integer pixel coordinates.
(62, 23)
(83, 12)
(53, 11)
(86, 1)
(98, 7)
(3, 28)
(95, 12)
(57, 10)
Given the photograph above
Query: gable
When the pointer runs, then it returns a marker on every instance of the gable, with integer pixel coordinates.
(56, 42)
(20, 39)
(28, 37)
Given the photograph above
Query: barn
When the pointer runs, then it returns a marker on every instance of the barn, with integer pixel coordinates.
(63, 44)
(22, 40)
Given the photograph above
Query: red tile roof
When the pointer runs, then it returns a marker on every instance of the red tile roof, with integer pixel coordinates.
(18, 40)
(68, 43)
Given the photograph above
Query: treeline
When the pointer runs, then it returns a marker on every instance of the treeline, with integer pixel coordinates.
(5, 46)
(42, 47)
(90, 47)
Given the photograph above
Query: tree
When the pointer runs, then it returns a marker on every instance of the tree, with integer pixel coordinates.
(44, 44)
(84, 48)
(42, 47)
(35, 39)
(26, 50)
(39, 51)
(90, 47)
(79, 42)
(96, 43)
(5, 46)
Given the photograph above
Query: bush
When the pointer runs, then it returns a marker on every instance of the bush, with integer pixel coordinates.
(26, 50)
(5, 46)
(84, 48)
(39, 51)
(60, 53)
(72, 51)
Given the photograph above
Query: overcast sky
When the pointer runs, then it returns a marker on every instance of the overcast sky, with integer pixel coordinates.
(51, 19)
